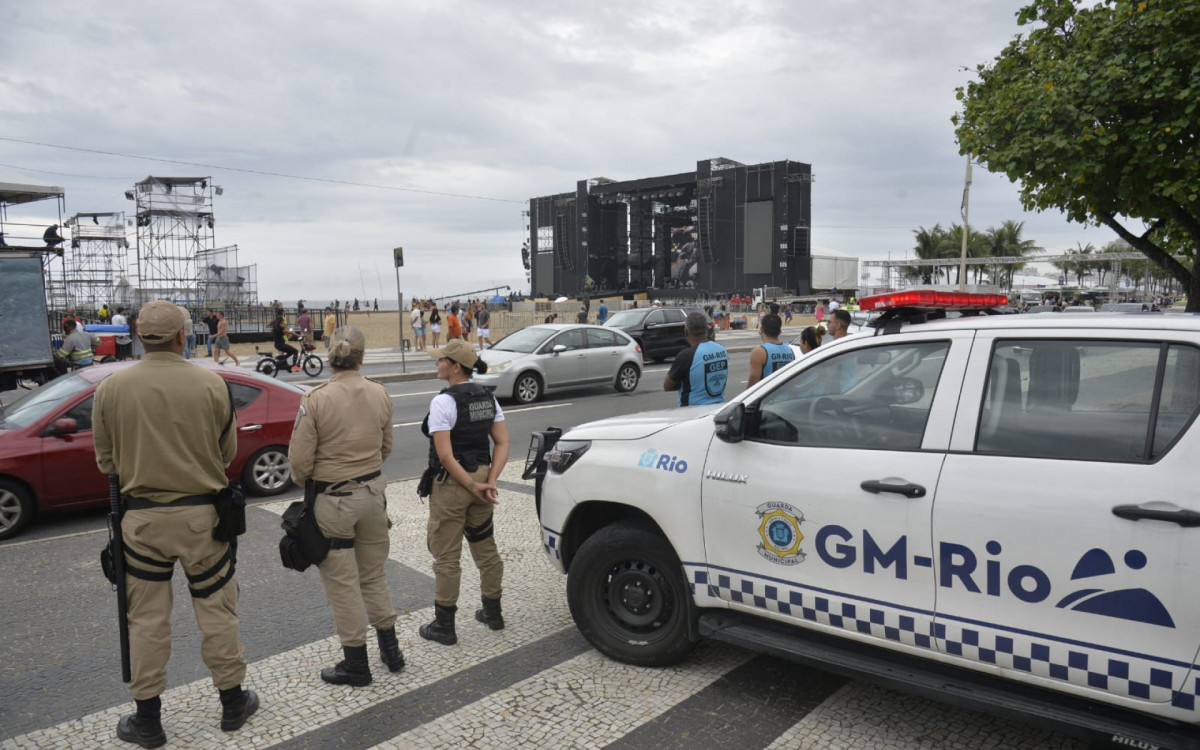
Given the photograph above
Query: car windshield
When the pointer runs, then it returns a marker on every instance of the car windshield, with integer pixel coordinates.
(524, 341)
(40, 401)
(626, 318)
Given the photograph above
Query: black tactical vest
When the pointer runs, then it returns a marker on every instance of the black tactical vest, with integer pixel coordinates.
(472, 428)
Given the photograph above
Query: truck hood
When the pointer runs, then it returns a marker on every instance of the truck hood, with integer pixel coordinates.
(641, 425)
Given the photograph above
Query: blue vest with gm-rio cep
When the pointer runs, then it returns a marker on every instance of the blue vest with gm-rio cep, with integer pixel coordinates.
(707, 376)
(778, 357)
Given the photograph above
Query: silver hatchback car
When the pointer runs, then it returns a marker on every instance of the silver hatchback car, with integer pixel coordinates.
(549, 357)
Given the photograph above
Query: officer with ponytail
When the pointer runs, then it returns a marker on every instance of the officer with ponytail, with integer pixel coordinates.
(342, 436)
(462, 423)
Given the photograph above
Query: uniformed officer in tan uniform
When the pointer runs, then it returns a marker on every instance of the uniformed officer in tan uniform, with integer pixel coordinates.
(166, 428)
(463, 422)
(342, 435)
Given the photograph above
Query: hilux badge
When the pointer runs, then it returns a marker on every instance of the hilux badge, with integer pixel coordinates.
(725, 476)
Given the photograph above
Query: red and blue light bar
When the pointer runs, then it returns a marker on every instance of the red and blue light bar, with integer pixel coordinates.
(931, 299)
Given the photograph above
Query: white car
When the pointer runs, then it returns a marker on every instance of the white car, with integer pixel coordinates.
(527, 363)
(1001, 510)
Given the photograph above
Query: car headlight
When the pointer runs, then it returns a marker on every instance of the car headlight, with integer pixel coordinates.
(498, 367)
(565, 453)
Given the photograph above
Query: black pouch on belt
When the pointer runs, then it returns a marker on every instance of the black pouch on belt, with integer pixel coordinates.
(231, 513)
(303, 543)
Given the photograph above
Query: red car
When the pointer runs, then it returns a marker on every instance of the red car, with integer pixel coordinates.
(47, 461)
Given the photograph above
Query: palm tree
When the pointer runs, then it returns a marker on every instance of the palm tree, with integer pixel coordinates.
(977, 246)
(1006, 241)
(931, 245)
(1079, 267)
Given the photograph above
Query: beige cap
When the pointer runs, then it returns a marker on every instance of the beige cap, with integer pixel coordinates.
(159, 321)
(457, 350)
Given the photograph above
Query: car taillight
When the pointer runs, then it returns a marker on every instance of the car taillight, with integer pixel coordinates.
(638, 347)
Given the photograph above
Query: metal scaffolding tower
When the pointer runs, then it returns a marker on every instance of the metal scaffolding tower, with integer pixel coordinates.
(224, 280)
(29, 234)
(174, 227)
(97, 261)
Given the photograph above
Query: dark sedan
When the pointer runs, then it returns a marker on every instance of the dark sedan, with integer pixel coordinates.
(47, 461)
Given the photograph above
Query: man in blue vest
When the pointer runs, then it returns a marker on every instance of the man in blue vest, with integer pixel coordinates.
(773, 354)
(700, 371)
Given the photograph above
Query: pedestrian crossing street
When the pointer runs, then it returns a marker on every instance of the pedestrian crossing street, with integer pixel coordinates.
(537, 683)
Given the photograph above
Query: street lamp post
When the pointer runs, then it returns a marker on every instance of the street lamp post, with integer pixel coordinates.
(398, 257)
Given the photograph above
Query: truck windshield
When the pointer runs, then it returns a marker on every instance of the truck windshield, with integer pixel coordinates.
(40, 401)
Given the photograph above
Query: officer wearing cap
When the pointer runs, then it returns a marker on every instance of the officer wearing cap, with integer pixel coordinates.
(460, 420)
(167, 429)
(342, 436)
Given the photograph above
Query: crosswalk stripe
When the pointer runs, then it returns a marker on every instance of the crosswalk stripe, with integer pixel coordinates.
(557, 705)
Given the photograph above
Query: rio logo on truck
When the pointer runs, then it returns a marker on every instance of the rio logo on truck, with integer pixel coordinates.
(960, 567)
(652, 459)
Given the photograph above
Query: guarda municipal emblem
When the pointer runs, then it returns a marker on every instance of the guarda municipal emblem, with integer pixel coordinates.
(779, 529)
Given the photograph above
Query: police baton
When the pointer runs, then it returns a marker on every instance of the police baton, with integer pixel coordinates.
(117, 552)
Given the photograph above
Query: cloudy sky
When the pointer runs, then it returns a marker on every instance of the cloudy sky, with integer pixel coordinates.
(495, 101)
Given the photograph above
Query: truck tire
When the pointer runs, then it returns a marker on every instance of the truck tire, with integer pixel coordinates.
(627, 594)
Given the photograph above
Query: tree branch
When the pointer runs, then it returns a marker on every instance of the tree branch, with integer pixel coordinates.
(1155, 253)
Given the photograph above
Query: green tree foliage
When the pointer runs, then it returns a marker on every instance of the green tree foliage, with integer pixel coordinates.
(1094, 113)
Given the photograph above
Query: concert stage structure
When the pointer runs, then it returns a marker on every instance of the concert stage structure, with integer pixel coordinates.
(727, 227)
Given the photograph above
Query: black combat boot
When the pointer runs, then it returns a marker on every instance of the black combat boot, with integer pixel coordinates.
(144, 727)
(490, 614)
(389, 649)
(353, 670)
(442, 627)
(237, 705)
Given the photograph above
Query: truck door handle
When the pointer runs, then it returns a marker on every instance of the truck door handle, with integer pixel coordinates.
(1187, 518)
(909, 490)
(250, 428)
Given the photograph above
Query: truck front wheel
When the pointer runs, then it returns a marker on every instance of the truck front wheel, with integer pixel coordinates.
(628, 597)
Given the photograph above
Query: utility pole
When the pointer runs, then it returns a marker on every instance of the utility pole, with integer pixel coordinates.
(962, 266)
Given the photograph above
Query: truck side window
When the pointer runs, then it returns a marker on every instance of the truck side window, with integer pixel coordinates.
(1071, 399)
(1180, 396)
(878, 397)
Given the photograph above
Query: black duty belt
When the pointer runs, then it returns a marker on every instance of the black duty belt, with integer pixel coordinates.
(323, 486)
(138, 503)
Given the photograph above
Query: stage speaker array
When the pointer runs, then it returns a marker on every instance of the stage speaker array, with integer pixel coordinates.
(704, 227)
(562, 241)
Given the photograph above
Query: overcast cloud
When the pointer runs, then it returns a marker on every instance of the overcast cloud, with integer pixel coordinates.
(502, 100)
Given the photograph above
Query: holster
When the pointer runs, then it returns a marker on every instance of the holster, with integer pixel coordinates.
(106, 563)
(425, 486)
(303, 543)
(231, 513)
